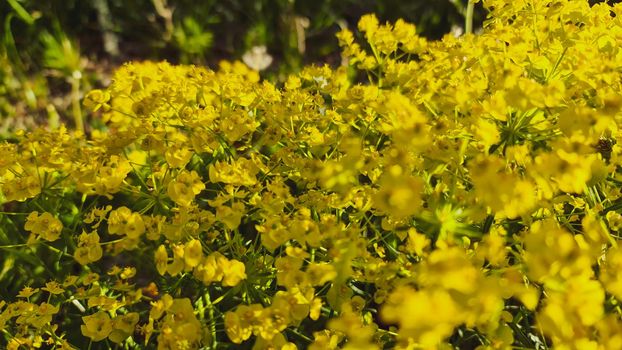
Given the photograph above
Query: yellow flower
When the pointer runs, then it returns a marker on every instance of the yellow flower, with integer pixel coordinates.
(505, 193)
(127, 273)
(185, 187)
(569, 171)
(178, 265)
(208, 271)
(234, 273)
(239, 325)
(238, 124)
(235, 331)
(193, 253)
(295, 301)
(417, 243)
(553, 254)
(180, 327)
(161, 259)
(96, 326)
(426, 316)
(615, 220)
(315, 309)
(123, 221)
(572, 310)
(103, 178)
(105, 302)
(147, 330)
(160, 306)
(45, 225)
(368, 23)
(399, 194)
(43, 315)
(123, 326)
(274, 320)
(351, 324)
(273, 232)
(27, 292)
(277, 342)
(486, 133)
(611, 271)
(178, 156)
(325, 340)
(240, 172)
(96, 99)
(97, 214)
(230, 216)
(319, 274)
(88, 250)
(53, 288)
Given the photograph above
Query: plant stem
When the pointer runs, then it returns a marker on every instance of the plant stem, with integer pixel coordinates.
(75, 102)
(469, 17)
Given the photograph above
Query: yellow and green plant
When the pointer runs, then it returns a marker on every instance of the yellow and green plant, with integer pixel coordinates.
(461, 193)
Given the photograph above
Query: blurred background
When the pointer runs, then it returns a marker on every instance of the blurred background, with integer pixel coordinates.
(54, 51)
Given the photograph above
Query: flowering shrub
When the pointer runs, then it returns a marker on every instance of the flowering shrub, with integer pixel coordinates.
(462, 193)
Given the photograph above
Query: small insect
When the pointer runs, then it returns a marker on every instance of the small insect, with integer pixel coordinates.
(605, 146)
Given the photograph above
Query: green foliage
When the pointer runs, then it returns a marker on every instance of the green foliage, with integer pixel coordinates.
(192, 40)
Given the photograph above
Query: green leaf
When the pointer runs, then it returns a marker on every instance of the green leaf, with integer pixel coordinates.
(21, 12)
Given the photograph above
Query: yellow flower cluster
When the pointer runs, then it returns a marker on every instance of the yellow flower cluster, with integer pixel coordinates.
(462, 193)
(287, 308)
(45, 225)
(189, 257)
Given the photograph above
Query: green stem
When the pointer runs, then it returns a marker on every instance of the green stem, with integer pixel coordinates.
(469, 17)
(212, 320)
(75, 104)
(13, 246)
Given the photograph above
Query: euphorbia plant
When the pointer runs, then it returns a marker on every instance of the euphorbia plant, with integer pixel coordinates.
(466, 194)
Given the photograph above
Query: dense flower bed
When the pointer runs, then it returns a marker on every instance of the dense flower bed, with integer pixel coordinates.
(461, 193)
